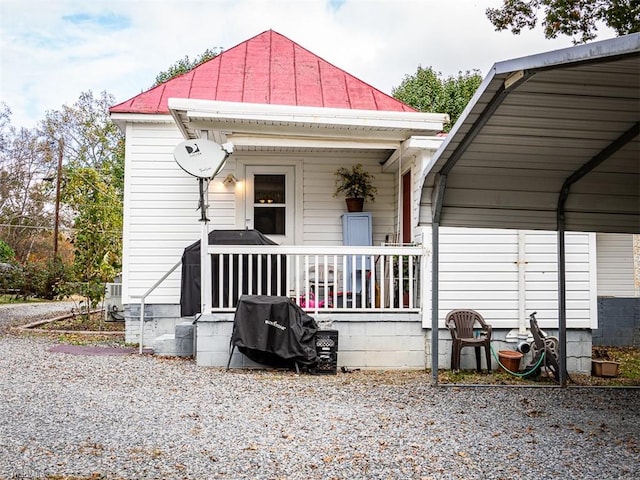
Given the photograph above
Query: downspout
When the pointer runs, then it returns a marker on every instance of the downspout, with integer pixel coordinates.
(522, 282)
(521, 334)
(603, 155)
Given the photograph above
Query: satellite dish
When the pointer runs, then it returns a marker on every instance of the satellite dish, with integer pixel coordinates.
(201, 158)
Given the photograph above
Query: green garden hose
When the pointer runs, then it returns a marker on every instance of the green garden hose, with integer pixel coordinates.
(517, 374)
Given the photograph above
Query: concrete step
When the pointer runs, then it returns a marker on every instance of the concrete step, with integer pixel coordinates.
(178, 344)
(165, 345)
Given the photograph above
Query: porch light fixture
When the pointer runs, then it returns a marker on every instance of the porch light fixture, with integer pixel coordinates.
(230, 179)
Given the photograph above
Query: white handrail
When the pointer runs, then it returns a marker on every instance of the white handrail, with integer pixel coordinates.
(146, 294)
(315, 250)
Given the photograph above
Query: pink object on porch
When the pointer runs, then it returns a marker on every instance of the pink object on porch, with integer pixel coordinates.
(310, 302)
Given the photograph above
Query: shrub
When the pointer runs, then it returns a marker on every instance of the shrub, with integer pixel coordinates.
(7, 255)
(44, 279)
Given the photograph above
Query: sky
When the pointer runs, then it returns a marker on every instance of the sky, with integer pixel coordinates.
(53, 50)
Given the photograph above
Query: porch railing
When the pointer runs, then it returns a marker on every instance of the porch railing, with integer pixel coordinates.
(319, 278)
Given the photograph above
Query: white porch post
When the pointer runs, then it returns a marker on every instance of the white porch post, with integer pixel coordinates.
(205, 258)
(205, 270)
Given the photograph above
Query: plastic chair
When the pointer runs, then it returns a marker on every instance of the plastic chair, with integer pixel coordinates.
(468, 329)
(318, 282)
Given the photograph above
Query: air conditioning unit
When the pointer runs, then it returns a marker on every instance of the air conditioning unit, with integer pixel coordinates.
(113, 310)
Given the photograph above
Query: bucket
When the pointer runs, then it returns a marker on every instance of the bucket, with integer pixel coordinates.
(510, 359)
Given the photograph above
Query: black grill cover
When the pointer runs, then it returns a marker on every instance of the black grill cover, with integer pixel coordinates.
(274, 331)
(190, 283)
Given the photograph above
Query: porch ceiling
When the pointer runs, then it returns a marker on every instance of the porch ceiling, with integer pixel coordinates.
(559, 129)
(257, 127)
(380, 154)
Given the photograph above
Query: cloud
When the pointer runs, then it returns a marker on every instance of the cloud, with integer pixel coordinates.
(109, 21)
(53, 51)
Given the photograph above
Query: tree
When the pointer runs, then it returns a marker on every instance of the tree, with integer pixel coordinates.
(25, 217)
(5, 124)
(567, 17)
(184, 65)
(427, 91)
(97, 225)
(6, 252)
(93, 150)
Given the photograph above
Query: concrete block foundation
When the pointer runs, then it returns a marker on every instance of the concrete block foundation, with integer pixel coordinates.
(366, 341)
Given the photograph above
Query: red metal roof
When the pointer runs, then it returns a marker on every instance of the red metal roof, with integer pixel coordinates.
(268, 69)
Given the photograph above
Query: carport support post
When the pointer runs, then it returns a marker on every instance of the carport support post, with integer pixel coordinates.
(438, 197)
(435, 242)
(562, 306)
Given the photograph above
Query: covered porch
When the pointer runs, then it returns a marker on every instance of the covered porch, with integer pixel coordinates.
(373, 292)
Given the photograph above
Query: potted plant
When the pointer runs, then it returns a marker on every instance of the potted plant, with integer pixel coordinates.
(356, 184)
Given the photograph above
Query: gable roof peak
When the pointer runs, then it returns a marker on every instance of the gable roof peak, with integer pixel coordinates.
(268, 68)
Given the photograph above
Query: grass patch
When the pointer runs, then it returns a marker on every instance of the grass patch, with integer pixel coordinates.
(81, 329)
(496, 377)
(10, 299)
(80, 338)
(93, 322)
(628, 357)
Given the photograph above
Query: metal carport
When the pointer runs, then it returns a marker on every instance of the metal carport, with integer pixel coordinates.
(548, 142)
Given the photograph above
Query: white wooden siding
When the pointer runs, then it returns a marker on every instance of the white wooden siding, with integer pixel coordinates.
(479, 270)
(615, 265)
(322, 221)
(160, 211)
(161, 201)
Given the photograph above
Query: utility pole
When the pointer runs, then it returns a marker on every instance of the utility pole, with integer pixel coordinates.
(58, 180)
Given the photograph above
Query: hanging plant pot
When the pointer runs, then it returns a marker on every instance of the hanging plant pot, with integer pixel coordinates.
(355, 204)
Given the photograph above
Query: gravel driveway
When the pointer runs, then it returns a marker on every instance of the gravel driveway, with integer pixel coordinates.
(12, 314)
(142, 417)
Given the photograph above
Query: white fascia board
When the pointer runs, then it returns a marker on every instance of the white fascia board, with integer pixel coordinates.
(422, 143)
(309, 115)
(122, 119)
(141, 118)
(411, 146)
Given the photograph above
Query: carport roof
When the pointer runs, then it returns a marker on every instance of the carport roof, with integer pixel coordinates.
(539, 130)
